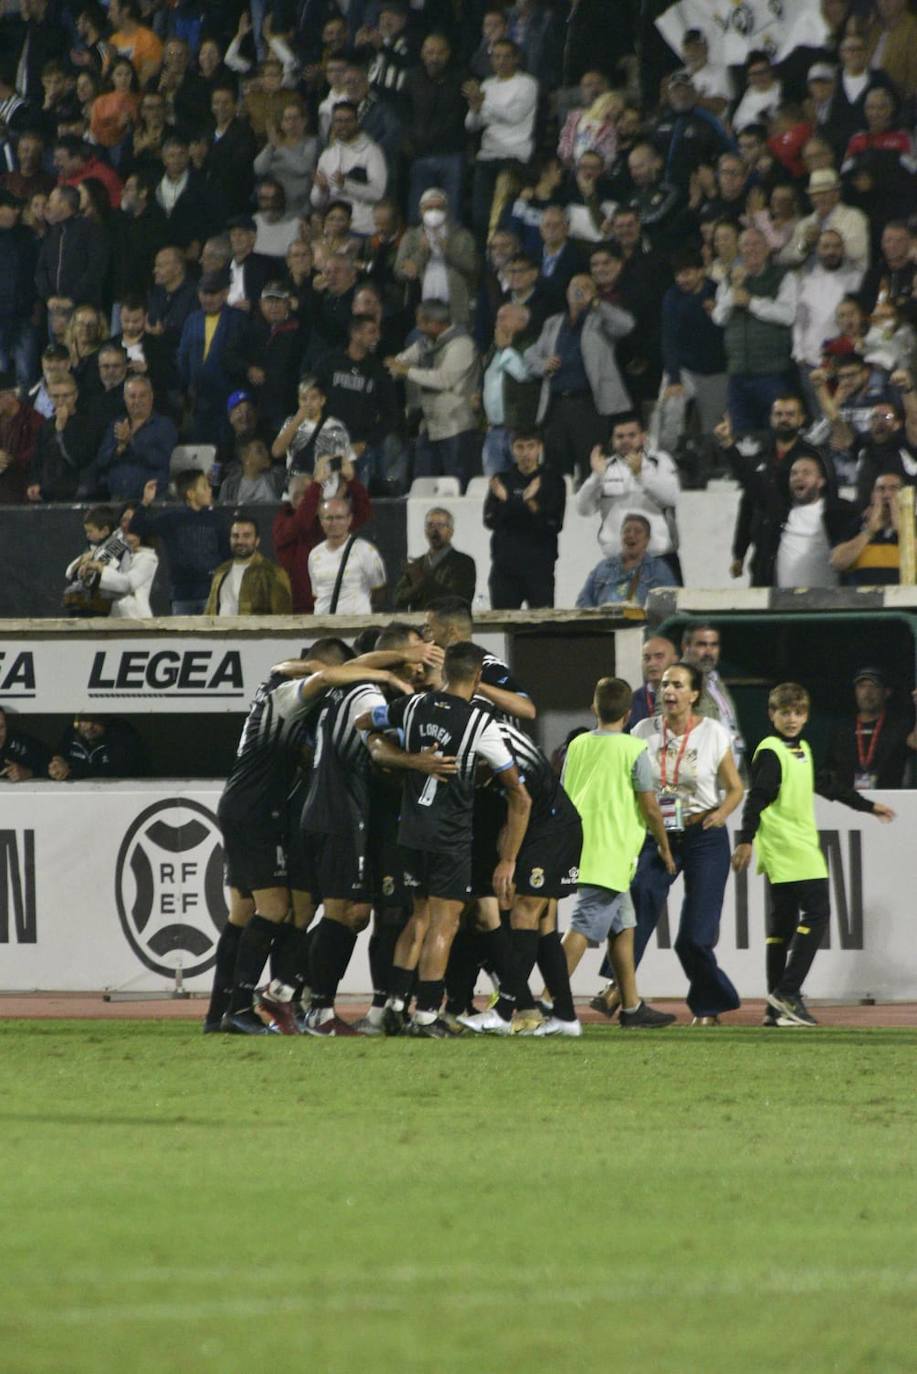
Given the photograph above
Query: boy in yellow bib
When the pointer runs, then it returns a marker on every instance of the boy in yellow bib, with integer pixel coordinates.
(779, 815)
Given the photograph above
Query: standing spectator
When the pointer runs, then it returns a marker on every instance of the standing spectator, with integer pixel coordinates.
(658, 654)
(276, 229)
(21, 755)
(504, 107)
(891, 445)
(273, 353)
(332, 305)
(137, 448)
(763, 92)
(581, 386)
(872, 750)
(108, 402)
(756, 307)
(98, 747)
(19, 429)
(114, 112)
(823, 284)
(28, 178)
(18, 256)
(347, 574)
(73, 257)
(248, 270)
(74, 164)
(172, 298)
(352, 168)
(193, 535)
(134, 40)
(632, 480)
(138, 231)
(712, 83)
(829, 212)
(693, 355)
(815, 522)
(377, 118)
(509, 394)
(290, 155)
(891, 42)
(183, 196)
(630, 575)
(434, 124)
(209, 339)
(248, 583)
(592, 126)
(894, 272)
(44, 40)
(296, 529)
(848, 411)
(441, 571)
(439, 255)
(871, 557)
(560, 260)
(686, 135)
(360, 392)
(446, 368)
(65, 448)
(525, 509)
(130, 583)
(229, 164)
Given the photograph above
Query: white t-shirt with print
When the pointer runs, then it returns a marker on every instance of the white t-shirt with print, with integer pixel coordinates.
(707, 743)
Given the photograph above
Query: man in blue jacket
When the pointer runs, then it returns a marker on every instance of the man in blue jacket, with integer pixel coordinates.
(212, 342)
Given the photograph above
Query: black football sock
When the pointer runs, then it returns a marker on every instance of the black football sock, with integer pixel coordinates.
(281, 950)
(224, 972)
(254, 951)
(301, 958)
(429, 999)
(331, 950)
(400, 983)
(499, 953)
(381, 953)
(525, 950)
(803, 950)
(775, 959)
(553, 964)
(462, 972)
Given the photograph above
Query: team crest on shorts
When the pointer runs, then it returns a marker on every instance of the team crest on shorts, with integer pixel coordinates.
(536, 878)
(388, 885)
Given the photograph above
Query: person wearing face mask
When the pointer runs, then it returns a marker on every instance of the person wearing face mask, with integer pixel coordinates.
(439, 257)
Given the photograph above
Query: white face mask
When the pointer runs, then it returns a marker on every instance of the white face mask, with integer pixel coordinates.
(434, 219)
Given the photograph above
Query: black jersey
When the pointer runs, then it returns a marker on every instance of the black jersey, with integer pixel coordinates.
(270, 747)
(495, 673)
(26, 750)
(338, 797)
(436, 813)
(543, 786)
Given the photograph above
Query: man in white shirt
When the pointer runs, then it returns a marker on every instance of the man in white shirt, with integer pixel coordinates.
(504, 108)
(361, 587)
(633, 480)
(713, 84)
(824, 188)
(804, 551)
(822, 287)
(352, 168)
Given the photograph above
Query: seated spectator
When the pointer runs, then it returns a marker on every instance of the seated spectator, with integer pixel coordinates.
(815, 522)
(352, 169)
(85, 334)
(872, 750)
(347, 573)
(441, 571)
(28, 177)
(694, 359)
(22, 756)
(211, 337)
(361, 393)
(289, 156)
(581, 386)
(592, 127)
(248, 583)
(276, 229)
(65, 448)
(829, 212)
(509, 393)
(108, 403)
(871, 557)
(445, 366)
(244, 425)
(73, 257)
(722, 250)
(439, 255)
(853, 322)
(588, 200)
(731, 185)
(631, 480)
(629, 575)
(143, 153)
(300, 431)
(193, 536)
(130, 582)
(137, 448)
(297, 530)
(251, 480)
(525, 510)
(55, 367)
(19, 428)
(98, 747)
(272, 354)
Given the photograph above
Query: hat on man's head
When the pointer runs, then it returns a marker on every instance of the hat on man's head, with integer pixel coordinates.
(820, 71)
(242, 222)
(870, 674)
(275, 291)
(825, 179)
(214, 281)
(236, 399)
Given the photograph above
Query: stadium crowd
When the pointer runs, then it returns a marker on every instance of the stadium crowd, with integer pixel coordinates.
(350, 244)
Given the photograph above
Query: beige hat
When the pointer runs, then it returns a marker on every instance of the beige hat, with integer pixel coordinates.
(823, 180)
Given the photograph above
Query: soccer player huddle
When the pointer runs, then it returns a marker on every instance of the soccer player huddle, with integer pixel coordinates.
(396, 787)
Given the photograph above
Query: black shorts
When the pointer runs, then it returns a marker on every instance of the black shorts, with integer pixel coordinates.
(548, 862)
(256, 853)
(341, 868)
(386, 856)
(447, 876)
(489, 819)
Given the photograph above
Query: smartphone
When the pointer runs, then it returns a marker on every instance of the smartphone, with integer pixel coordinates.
(335, 464)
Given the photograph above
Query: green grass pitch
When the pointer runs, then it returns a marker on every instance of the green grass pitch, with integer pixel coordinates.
(681, 1201)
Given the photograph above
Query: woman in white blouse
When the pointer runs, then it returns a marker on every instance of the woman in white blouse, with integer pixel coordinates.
(698, 787)
(130, 583)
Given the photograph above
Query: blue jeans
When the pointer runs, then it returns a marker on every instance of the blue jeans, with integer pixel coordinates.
(384, 462)
(443, 170)
(19, 350)
(498, 455)
(750, 397)
(458, 456)
(703, 857)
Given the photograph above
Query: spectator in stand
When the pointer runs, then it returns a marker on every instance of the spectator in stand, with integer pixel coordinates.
(593, 126)
(546, 180)
(694, 359)
(273, 352)
(581, 386)
(248, 583)
(686, 135)
(137, 448)
(28, 178)
(19, 429)
(493, 30)
(377, 118)
(878, 164)
(894, 272)
(296, 529)
(290, 155)
(229, 164)
(632, 480)
(300, 432)
(891, 42)
(815, 522)
(352, 168)
(332, 305)
(193, 535)
(248, 270)
(509, 393)
(55, 367)
(763, 92)
(18, 316)
(183, 196)
(347, 573)
(872, 750)
(560, 260)
(660, 204)
(891, 444)
(86, 333)
(713, 84)
(441, 571)
(74, 163)
(823, 284)
(445, 366)
(73, 257)
(22, 756)
(439, 256)
(148, 355)
(98, 747)
(854, 80)
(65, 449)
(335, 236)
(829, 212)
(276, 229)
(629, 575)
(134, 40)
(434, 123)
(525, 510)
(871, 556)
(588, 202)
(210, 338)
(115, 111)
(658, 654)
(143, 153)
(130, 583)
(137, 232)
(756, 308)
(361, 393)
(250, 480)
(108, 403)
(529, 290)
(504, 108)
(847, 412)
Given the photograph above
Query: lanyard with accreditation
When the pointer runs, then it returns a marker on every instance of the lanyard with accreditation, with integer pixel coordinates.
(865, 778)
(671, 805)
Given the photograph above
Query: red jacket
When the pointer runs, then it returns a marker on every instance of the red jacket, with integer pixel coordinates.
(296, 533)
(102, 172)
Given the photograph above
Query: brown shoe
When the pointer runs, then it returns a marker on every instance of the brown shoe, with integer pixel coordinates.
(706, 1021)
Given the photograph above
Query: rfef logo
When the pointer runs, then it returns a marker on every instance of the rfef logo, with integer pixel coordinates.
(169, 887)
